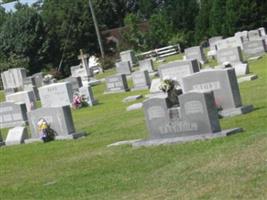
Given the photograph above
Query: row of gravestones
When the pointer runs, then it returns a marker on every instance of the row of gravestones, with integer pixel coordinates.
(56, 99)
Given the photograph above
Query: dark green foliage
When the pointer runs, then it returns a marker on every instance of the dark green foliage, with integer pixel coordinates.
(23, 35)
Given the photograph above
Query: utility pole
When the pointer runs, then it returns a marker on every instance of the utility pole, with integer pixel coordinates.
(97, 30)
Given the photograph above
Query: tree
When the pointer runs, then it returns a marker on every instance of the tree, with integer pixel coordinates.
(22, 36)
(160, 30)
(203, 20)
(217, 18)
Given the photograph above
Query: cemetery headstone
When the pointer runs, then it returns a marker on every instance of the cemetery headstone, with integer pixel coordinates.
(195, 53)
(234, 57)
(254, 35)
(26, 97)
(212, 42)
(16, 136)
(13, 78)
(12, 114)
(29, 84)
(59, 120)
(56, 95)
(254, 48)
(141, 80)
(76, 82)
(87, 93)
(123, 67)
(223, 83)
(38, 79)
(116, 83)
(197, 118)
(178, 69)
(146, 65)
(229, 43)
(128, 56)
(262, 31)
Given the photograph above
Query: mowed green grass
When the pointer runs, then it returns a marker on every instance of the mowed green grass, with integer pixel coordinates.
(234, 167)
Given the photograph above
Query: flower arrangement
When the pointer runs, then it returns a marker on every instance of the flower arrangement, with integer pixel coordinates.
(78, 101)
(169, 86)
(45, 132)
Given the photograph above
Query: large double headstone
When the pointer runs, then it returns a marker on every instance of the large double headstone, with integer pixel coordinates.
(178, 69)
(234, 57)
(116, 83)
(197, 118)
(223, 83)
(123, 67)
(56, 95)
(12, 114)
(195, 53)
(59, 120)
(254, 48)
(26, 97)
(146, 65)
(141, 80)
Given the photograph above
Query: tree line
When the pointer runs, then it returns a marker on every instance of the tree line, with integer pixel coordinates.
(52, 31)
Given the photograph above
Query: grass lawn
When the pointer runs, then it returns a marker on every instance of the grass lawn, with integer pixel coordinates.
(234, 167)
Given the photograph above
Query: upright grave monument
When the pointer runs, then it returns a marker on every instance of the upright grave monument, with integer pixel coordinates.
(255, 48)
(16, 136)
(12, 114)
(128, 56)
(59, 120)
(141, 80)
(123, 67)
(26, 97)
(146, 65)
(87, 93)
(234, 57)
(116, 83)
(195, 53)
(178, 69)
(56, 95)
(196, 119)
(223, 83)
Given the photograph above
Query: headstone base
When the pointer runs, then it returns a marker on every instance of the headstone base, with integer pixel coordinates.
(247, 78)
(236, 111)
(65, 137)
(166, 141)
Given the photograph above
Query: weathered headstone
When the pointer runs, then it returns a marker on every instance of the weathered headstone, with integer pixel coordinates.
(29, 84)
(212, 42)
(141, 80)
(59, 120)
(12, 114)
(116, 83)
(233, 56)
(26, 97)
(262, 31)
(195, 53)
(87, 93)
(16, 136)
(254, 35)
(229, 43)
(38, 79)
(146, 65)
(56, 95)
(13, 78)
(128, 56)
(197, 118)
(76, 82)
(223, 83)
(178, 69)
(254, 48)
(123, 67)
